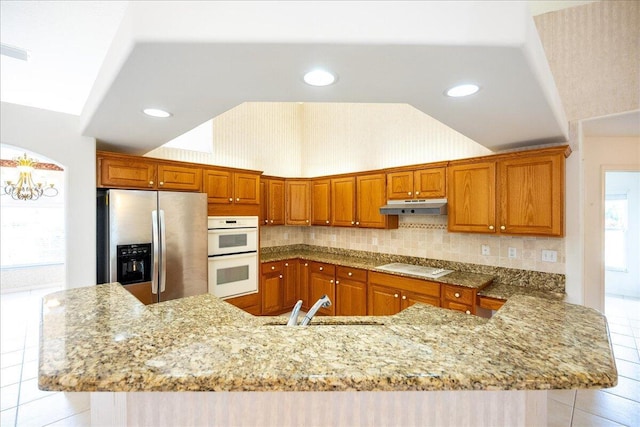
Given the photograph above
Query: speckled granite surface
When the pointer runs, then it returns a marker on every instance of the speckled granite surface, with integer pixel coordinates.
(504, 291)
(102, 338)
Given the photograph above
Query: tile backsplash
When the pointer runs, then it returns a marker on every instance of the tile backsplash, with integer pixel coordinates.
(427, 237)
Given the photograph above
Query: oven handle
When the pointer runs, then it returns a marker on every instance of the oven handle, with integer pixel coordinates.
(154, 242)
(163, 251)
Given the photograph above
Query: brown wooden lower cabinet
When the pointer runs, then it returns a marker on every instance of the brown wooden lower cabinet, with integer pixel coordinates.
(302, 286)
(322, 282)
(271, 285)
(290, 282)
(490, 303)
(351, 292)
(459, 298)
(389, 294)
(249, 303)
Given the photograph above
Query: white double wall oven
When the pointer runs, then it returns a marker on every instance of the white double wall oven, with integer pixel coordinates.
(233, 255)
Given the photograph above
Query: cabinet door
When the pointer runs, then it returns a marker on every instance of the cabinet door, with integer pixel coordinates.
(264, 202)
(400, 185)
(430, 183)
(371, 194)
(297, 202)
(174, 177)
(290, 283)
(303, 284)
(272, 284)
(275, 206)
(121, 173)
(452, 305)
(321, 202)
(531, 194)
(246, 188)
(410, 298)
(383, 301)
(219, 186)
(322, 282)
(343, 202)
(471, 195)
(351, 298)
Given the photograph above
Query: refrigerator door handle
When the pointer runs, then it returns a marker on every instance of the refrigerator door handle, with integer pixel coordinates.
(163, 253)
(155, 241)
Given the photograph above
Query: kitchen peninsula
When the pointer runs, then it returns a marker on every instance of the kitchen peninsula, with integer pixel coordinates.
(423, 363)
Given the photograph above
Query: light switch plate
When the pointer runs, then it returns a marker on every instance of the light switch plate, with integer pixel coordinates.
(513, 253)
(549, 256)
(486, 250)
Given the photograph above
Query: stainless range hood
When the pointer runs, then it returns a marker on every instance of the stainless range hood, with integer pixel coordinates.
(415, 207)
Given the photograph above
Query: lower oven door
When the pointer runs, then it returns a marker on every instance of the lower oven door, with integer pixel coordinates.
(233, 275)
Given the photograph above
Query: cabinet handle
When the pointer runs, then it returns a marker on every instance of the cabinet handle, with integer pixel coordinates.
(306, 264)
(491, 227)
(409, 193)
(457, 295)
(307, 221)
(352, 222)
(502, 227)
(266, 221)
(417, 193)
(273, 267)
(357, 222)
(237, 199)
(404, 297)
(331, 281)
(327, 222)
(281, 276)
(395, 295)
(230, 199)
(286, 264)
(349, 274)
(468, 312)
(271, 221)
(150, 182)
(321, 268)
(337, 282)
(161, 182)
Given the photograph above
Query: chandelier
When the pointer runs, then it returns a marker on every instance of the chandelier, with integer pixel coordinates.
(25, 188)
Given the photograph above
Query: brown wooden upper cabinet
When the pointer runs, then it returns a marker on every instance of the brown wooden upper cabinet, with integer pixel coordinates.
(321, 202)
(123, 171)
(356, 202)
(272, 208)
(429, 183)
(227, 187)
(297, 200)
(521, 194)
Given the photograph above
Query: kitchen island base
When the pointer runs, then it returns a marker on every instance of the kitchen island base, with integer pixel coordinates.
(346, 408)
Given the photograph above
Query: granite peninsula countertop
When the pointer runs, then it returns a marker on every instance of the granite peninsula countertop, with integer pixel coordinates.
(101, 338)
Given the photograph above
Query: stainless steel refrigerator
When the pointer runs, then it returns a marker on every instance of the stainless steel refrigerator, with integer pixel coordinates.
(153, 242)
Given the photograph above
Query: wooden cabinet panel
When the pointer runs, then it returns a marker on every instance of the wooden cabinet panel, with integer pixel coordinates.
(371, 194)
(400, 185)
(349, 273)
(321, 202)
(452, 305)
(383, 301)
(458, 294)
(273, 202)
(351, 298)
(472, 200)
(298, 206)
(430, 183)
(175, 177)
(343, 202)
(250, 303)
(126, 173)
(219, 186)
(142, 291)
(531, 193)
(246, 188)
(303, 284)
(272, 284)
(289, 292)
(322, 282)
(490, 303)
(410, 298)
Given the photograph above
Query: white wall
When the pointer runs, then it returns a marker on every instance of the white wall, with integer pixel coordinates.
(56, 136)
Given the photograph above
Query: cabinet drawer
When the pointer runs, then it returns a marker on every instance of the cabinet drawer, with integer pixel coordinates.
(271, 267)
(490, 303)
(348, 273)
(452, 305)
(319, 267)
(458, 294)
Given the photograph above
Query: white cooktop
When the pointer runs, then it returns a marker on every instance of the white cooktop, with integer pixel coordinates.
(418, 270)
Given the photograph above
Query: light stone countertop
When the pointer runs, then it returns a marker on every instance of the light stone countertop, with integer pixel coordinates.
(101, 338)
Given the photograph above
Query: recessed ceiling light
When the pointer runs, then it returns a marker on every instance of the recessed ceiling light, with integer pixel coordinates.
(462, 90)
(319, 78)
(156, 112)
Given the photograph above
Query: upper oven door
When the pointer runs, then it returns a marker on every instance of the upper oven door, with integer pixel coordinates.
(232, 241)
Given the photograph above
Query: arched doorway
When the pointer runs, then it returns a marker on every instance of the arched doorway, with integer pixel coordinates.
(32, 249)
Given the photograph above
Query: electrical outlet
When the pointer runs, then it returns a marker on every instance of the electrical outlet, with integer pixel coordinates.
(486, 250)
(513, 253)
(374, 241)
(333, 237)
(286, 236)
(549, 256)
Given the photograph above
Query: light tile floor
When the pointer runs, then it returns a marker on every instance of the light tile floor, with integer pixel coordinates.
(22, 404)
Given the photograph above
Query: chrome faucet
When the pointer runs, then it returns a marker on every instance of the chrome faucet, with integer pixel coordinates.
(293, 318)
(324, 301)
